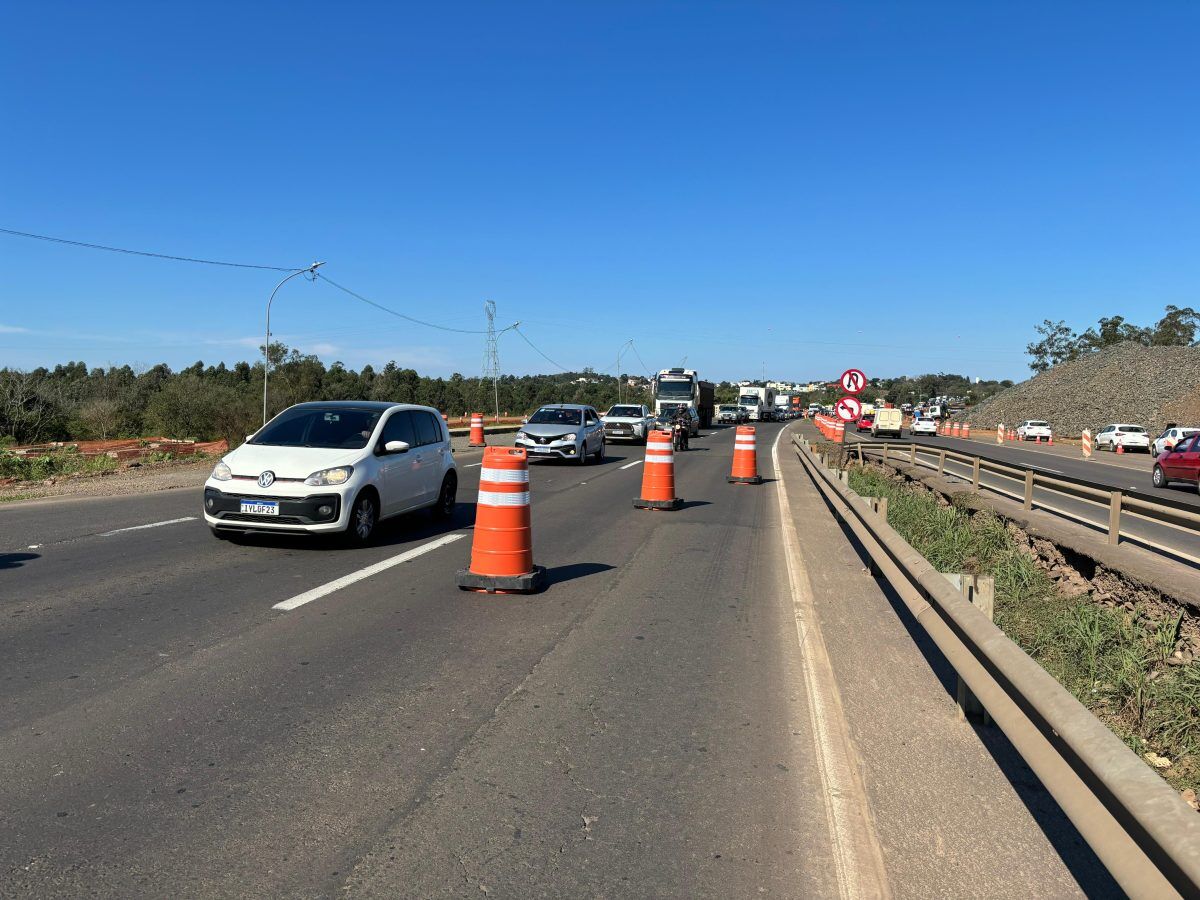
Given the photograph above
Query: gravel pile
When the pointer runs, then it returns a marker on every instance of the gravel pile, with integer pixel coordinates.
(1130, 383)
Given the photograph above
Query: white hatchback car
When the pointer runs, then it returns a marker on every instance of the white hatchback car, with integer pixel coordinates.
(1033, 430)
(334, 467)
(922, 425)
(1131, 437)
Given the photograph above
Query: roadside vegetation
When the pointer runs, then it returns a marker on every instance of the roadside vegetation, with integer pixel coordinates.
(70, 462)
(1114, 661)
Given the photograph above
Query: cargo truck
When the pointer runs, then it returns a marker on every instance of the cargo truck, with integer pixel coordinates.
(673, 387)
(759, 402)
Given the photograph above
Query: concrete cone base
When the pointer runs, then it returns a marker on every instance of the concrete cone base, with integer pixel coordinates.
(658, 504)
(504, 584)
(742, 479)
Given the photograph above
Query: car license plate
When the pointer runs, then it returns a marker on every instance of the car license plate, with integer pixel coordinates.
(539, 449)
(261, 507)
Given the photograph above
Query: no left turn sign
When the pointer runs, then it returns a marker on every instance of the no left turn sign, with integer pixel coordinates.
(849, 409)
(853, 381)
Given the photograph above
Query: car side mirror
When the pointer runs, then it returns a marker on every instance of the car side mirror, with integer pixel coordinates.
(525, 421)
(249, 436)
(395, 447)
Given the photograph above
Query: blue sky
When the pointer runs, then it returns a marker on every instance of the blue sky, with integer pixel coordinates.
(905, 187)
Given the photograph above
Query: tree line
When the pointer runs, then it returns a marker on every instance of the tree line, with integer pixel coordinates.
(74, 402)
(1060, 343)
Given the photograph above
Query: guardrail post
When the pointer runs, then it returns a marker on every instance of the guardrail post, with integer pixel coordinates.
(980, 592)
(1114, 517)
(941, 461)
(975, 474)
(844, 476)
(860, 452)
(912, 454)
(1029, 488)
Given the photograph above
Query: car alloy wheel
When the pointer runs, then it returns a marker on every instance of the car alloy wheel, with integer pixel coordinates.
(600, 453)
(362, 519)
(1159, 478)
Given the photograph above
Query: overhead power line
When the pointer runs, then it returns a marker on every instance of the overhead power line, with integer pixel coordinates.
(400, 315)
(538, 351)
(191, 259)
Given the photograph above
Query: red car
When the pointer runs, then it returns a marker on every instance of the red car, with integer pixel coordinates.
(864, 423)
(1180, 463)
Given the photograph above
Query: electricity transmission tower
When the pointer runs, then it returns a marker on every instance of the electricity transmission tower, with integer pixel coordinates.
(491, 355)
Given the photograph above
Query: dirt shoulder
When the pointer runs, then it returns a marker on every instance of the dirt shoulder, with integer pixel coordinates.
(142, 479)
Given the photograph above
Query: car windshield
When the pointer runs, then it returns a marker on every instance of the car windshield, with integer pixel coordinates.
(549, 415)
(749, 399)
(626, 412)
(729, 409)
(342, 428)
(674, 390)
(1038, 424)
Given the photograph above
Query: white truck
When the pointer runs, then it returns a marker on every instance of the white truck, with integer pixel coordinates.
(783, 405)
(759, 402)
(675, 387)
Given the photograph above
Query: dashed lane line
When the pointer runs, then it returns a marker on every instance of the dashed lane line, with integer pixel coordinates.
(636, 462)
(346, 580)
(151, 525)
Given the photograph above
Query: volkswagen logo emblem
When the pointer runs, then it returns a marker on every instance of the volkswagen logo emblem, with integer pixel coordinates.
(266, 479)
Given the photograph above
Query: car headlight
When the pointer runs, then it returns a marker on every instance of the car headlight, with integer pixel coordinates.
(326, 477)
(221, 472)
(568, 437)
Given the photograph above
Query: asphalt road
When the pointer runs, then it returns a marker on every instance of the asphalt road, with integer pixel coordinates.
(1179, 544)
(644, 727)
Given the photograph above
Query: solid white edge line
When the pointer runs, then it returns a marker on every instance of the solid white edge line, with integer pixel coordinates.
(151, 525)
(346, 580)
(858, 858)
(636, 462)
(473, 465)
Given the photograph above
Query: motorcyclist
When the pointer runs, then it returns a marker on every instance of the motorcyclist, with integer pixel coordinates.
(684, 422)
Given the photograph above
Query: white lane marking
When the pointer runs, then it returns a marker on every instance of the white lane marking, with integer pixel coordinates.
(151, 525)
(346, 580)
(636, 462)
(858, 858)
(473, 465)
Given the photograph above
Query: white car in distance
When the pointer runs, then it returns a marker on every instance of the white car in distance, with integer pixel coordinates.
(1131, 437)
(922, 425)
(334, 467)
(1034, 430)
(1171, 436)
(628, 422)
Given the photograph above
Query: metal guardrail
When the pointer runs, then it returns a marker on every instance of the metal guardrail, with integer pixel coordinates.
(1118, 505)
(1146, 836)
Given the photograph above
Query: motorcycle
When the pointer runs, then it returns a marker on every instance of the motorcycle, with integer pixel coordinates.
(679, 436)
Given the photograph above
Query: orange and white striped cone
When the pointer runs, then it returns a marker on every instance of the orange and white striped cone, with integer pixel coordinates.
(1120, 448)
(966, 431)
(956, 429)
(839, 432)
(477, 438)
(745, 457)
(658, 474)
(502, 547)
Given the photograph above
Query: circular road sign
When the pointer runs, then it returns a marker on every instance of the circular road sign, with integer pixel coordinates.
(853, 381)
(849, 409)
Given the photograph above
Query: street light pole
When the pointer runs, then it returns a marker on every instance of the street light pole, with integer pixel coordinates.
(267, 343)
(496, 375)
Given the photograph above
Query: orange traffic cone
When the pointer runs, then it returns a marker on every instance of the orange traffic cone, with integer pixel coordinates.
(839, 432)
(745, 457)
(477, 438)
(658, 474)
(966, 431)
(955, 429)
(502, 548)
(1120, 448)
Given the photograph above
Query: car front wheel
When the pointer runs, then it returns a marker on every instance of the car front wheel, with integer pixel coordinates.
(444, 508)
(1159, 477)
(364, 516)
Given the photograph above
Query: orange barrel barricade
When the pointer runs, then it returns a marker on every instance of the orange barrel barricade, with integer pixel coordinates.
(745, 457)
(839, 432)
(502, 548)
(966, 430)
(956, 429)
(658, 474)
(477, 438)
